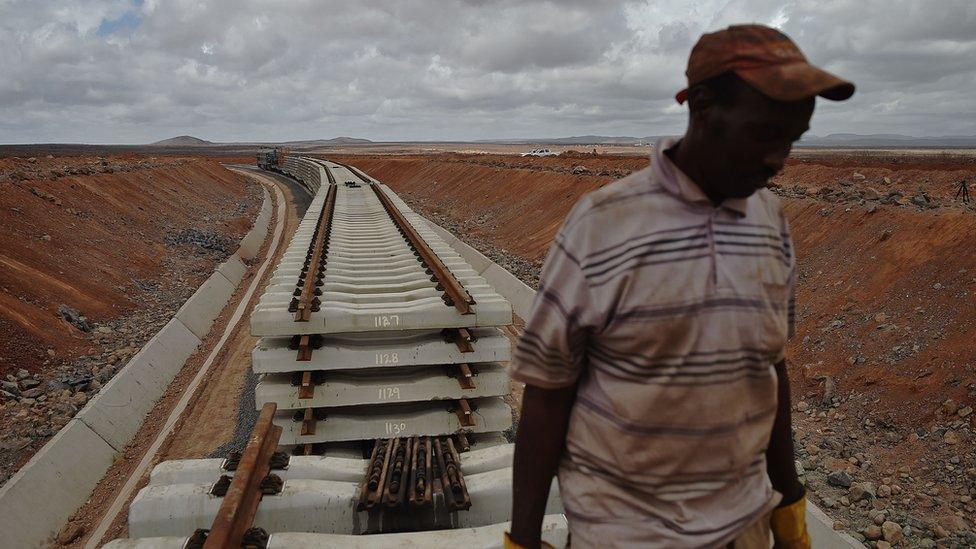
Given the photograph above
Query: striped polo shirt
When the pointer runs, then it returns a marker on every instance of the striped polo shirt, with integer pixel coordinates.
(671, 313)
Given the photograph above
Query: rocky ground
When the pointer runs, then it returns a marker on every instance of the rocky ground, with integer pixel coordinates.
(35, 406)
(883, 367)
(102, 251)
(871, 195)
(884, 480)
(924, 499)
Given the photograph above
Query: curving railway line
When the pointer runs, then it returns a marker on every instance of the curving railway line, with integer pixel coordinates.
(381, 381)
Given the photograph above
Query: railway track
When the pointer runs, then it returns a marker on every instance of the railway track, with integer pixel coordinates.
(381, 381)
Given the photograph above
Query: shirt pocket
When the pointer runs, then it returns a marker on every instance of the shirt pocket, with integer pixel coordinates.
(774, 293)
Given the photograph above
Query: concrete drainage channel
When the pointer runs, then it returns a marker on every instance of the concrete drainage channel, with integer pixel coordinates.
(37, 500)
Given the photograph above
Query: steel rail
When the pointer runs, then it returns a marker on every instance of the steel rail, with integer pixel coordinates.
(328, 172)
(239, 506)
(303, 306)
(455, 294)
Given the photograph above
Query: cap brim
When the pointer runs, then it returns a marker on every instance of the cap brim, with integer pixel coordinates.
(796, 81)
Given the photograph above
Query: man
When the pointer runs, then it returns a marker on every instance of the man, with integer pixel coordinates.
(654, 356)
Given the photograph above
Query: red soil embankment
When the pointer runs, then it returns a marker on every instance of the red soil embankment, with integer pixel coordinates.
(91, 234)
(937, 174)
(886, 302)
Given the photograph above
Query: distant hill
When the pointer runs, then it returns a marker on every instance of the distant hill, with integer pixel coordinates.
(182, 141)
(326, 142)
(190, 141)
(346, 141)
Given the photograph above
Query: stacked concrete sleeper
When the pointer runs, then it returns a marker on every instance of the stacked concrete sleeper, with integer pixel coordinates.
(381, 365)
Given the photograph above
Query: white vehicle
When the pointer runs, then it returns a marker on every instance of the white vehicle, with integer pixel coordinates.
(540, 152)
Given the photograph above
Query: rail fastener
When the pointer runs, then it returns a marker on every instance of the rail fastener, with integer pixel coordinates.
(461, 337)
(464, 413)
(307, 387)
(464, 375)
(308, 419)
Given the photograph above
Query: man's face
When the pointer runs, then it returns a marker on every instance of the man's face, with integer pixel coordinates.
(751, 138)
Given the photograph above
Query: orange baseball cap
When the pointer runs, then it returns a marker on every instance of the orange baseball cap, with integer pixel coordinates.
(767, 60)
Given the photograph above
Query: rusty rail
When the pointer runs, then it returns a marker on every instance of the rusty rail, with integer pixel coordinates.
(413, 472)
(454, 293)
(421, 489)
(240, 504)
(305, 301)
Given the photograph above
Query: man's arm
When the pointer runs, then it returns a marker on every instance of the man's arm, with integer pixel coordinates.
(788, 521)
(780, 462)
(550, 358)
(538, 447)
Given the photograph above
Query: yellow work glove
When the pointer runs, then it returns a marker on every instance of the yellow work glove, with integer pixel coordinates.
(789, 526)
(509, 544)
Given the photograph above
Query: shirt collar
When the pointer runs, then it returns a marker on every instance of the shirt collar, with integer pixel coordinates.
(680, 185)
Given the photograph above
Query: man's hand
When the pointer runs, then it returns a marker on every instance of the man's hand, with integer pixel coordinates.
(538, 447)
(509, 544)
(789, 519)
(789, 526)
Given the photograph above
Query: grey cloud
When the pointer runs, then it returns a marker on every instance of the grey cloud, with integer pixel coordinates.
(676, 36)
(419, 69)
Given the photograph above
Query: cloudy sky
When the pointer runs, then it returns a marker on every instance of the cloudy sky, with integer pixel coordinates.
(124, 71)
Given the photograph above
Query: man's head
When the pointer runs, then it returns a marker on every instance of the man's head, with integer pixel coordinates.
(750, 96)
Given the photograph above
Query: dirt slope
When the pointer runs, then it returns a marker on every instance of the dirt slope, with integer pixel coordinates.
(93, 241)
(883, 365)
(95, 256)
